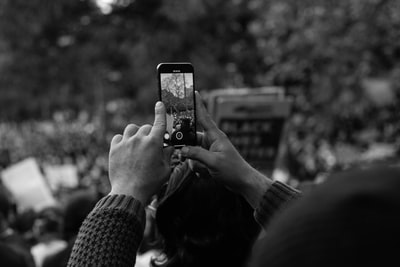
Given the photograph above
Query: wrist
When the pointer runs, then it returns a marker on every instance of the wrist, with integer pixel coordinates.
(256, 184)
(132, 191)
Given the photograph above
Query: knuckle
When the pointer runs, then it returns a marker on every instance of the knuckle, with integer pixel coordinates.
(138, 138)
(134, 140)
(144, 129)
(130, 126)
(116, 138)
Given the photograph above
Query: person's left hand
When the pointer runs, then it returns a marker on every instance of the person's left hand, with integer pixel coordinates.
(138, 163)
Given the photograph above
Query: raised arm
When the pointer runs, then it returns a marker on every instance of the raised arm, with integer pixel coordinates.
(138, 166)
(217, 154)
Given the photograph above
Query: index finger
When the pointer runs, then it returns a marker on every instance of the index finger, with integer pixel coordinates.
(160, 120)
(202, 115)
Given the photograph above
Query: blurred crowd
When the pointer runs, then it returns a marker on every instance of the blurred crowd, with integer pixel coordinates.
(350, 133)
(315, 145)
(315, 141)
(45, 237)
(58, 143)
(42, 238)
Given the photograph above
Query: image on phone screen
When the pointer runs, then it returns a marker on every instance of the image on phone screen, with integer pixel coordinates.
(177, 93)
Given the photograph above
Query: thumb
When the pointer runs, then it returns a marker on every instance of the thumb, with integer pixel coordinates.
(160, 121)
(198, 153)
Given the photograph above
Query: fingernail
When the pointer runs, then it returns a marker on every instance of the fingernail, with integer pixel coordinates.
(184, 150)
(158, 104)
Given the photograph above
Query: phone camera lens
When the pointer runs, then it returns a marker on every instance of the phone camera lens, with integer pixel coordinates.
(179, 135)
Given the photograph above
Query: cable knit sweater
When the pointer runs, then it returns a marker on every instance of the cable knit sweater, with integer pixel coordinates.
(112, 232)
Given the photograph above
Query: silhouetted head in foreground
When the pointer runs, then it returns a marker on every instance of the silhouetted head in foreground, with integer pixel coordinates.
(202, 223)
(353, 219)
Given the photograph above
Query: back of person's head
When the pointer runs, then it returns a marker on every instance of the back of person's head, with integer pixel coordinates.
(24, 221)
(202, 223)
(78, 206)
(48, 221)
(353, 219)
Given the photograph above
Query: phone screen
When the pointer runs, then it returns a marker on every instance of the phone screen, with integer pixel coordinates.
(177, 94)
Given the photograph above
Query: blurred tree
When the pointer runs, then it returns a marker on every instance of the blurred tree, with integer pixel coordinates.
(328, 46)
(69, 54)
(43, 39)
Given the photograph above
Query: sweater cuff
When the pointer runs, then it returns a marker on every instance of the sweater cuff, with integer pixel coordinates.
(277, 197)
(124, 203)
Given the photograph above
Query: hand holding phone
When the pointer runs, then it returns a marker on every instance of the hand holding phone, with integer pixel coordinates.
(176, 91)
(223, 162)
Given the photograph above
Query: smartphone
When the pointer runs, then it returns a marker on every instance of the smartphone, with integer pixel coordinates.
(176, 91)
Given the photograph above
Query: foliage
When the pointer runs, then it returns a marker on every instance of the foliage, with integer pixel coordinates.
(328, 46)
(67, 55)
(175, 92)
(176, 104)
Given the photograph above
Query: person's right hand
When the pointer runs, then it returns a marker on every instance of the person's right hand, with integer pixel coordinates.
(138, 163)
(223, 161)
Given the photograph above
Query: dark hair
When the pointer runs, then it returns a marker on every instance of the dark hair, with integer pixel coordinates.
(78, 206)
(51, 218)
(202, 223)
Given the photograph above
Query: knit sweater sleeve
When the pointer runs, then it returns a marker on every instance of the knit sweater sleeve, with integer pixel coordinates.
(276, 198)
(110, 234)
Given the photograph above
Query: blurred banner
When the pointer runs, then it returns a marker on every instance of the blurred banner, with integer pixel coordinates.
(61, 176)
(254, 120)
(28, 186)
